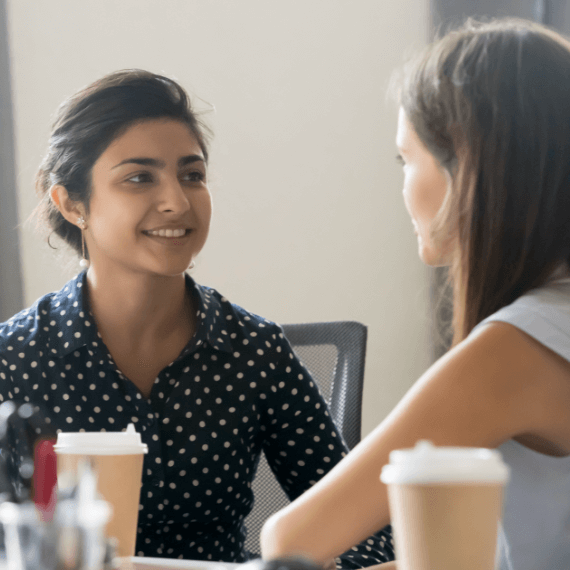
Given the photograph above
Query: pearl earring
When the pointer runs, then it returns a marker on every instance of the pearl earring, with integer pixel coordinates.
(84, 263)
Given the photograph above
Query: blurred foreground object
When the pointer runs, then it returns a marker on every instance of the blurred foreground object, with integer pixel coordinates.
(289, 563)
(73, 539)
(445, 506)
(41, 529)
(23, 431)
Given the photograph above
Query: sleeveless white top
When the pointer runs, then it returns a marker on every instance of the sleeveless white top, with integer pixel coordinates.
(536, 516)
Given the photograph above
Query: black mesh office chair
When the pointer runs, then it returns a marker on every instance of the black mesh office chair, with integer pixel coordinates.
(334, 354)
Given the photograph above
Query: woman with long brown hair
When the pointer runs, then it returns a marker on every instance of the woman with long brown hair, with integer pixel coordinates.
(483, 136)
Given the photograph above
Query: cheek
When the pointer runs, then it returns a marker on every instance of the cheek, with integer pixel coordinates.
(112, 216)
(205, 207)
(423, 197)
(413, 197)
(407, 193)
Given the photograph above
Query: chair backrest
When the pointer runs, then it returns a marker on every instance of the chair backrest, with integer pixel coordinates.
(334, 353)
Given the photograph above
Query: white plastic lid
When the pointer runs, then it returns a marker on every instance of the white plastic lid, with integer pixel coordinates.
(426, 463)
(101, 442)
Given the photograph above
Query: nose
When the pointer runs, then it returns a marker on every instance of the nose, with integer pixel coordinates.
(173, 197)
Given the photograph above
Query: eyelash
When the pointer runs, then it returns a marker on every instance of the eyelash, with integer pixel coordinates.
(400, 160)
(148, 178)
(145, 175)
(200, 175)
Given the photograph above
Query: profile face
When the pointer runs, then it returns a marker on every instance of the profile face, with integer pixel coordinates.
(150, 205)
(425, 187)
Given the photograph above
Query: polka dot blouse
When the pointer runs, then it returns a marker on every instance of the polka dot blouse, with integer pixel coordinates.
(235, 390)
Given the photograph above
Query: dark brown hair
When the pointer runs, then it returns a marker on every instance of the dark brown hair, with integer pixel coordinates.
(88, 122)
(491, 102)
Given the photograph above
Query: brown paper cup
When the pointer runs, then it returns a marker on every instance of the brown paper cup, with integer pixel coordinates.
(117, 460)
(445, 506)
(445, 526)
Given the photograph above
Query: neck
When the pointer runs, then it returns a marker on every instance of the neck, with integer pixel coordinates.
(138, 305)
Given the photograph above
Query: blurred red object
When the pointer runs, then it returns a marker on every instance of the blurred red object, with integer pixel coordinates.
(45, 478)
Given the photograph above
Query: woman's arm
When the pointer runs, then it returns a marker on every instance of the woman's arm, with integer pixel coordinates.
(483, 392)
(302, 444)
(386, 566)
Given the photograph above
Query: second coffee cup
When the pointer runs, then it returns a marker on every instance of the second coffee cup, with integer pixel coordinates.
(117, 459)
(445, 506)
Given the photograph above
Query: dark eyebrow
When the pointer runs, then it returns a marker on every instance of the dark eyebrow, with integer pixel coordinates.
(143, 162)
(190, 159)
(155, 162)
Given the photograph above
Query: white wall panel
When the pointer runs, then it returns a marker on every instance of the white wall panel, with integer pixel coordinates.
(309, 222)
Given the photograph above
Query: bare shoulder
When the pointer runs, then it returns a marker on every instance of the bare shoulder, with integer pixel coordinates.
(525, 365)
(525, 384)
(497, 384)
(541, 379)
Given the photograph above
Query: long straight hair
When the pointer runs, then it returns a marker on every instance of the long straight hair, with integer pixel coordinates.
(491, 102)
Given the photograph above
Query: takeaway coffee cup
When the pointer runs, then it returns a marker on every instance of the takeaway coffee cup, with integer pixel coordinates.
(445, 506)
(117, 459)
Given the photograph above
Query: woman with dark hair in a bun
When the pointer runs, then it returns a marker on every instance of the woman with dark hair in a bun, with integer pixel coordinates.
(133, 338)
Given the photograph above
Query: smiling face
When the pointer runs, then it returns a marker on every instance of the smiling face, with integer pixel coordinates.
(150, 205)
(425, 187)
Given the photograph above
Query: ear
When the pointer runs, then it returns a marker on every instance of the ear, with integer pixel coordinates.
(68, 208)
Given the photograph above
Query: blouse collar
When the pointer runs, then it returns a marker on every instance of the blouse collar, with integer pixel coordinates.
(69, 317)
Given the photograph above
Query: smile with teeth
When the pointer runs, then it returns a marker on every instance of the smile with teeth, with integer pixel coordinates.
(167, 233)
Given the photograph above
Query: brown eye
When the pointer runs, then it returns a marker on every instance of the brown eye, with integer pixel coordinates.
(194, 176)
(140, 178)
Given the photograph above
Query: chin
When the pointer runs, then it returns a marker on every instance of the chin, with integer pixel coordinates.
(169, 269)
(429, 256)
(174, 272)
(434, 259)
(432, 255)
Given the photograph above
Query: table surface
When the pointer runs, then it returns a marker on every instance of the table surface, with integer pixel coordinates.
(144, 563)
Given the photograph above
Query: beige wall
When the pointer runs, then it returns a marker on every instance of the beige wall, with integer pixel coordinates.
(309, 222)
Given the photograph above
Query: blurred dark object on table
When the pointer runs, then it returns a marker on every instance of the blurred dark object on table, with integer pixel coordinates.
(44, 529)
(72, 539)
(23, 430)
(288, 563)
